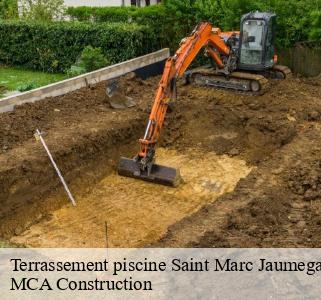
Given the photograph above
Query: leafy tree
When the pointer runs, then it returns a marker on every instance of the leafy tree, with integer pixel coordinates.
(181, 14)
(232, 10)
(298, 20)
(315, 32)
(43, 10)
(184, 15)
(8, 9)
(295, 22)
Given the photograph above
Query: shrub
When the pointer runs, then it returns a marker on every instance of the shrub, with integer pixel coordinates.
(27, 87)
(55, 46)
(80, 13)
(100, 14)
(113, 14)
(75, 71)
(90, 59)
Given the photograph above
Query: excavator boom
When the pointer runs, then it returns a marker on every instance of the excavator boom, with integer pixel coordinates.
(143, 165)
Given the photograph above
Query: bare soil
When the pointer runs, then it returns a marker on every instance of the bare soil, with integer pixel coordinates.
(251, 167)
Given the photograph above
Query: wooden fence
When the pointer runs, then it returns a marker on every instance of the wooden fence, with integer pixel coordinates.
(304, 58)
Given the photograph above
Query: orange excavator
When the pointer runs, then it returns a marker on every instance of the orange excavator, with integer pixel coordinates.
(229, 56)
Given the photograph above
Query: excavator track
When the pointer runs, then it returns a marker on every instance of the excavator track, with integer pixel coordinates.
(243, 82)
(281, 72)
(238, 81)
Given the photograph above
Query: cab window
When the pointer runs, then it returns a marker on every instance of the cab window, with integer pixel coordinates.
(252, 42)
(270, 43)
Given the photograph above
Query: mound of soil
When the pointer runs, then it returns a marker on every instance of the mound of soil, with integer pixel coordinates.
(305, 180)
(18, 126)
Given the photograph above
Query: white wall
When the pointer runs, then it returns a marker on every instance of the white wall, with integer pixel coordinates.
(93, 2)
(103, 2)
(96, 3)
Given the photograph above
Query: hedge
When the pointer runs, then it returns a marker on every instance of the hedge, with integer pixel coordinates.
(298, 20)
(154, 16)
(100, 14)
(54, 47)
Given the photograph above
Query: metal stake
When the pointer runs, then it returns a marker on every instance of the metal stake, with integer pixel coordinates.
(38, 134)
(106, 233)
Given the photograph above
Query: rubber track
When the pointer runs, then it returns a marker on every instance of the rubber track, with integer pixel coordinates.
(284, 69)
(263, 82)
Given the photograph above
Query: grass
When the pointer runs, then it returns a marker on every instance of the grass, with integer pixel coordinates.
(13, 78)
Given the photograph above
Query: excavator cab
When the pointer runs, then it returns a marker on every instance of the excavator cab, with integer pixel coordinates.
(256, 45)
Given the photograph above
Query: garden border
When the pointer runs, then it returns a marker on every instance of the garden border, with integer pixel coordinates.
(72, 84)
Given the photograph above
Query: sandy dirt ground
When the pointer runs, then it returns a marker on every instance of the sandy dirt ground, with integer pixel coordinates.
(135, 211)
(251, 167)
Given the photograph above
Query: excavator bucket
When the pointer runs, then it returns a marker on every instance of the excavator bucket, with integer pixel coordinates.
(159, 174)
(116, 98)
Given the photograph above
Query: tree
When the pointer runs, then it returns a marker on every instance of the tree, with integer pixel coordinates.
(297, 20)
(8, 9)
(43, 10)
(315, 31)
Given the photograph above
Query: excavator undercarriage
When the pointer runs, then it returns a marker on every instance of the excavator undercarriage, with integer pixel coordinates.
(249, 82)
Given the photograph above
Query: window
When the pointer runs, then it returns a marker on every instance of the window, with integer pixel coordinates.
(270, 43)
(252, 42)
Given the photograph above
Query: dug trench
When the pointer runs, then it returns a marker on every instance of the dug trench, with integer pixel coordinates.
(251, 168)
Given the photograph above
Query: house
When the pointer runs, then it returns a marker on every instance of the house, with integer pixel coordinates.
(102, 3)
(139, 3)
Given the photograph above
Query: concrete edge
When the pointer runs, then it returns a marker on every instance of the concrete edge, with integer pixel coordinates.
(72, 84)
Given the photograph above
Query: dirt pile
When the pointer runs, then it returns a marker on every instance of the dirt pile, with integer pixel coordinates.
(306, 180)
(18, 126)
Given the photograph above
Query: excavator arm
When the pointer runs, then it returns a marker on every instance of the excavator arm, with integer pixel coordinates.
(143, 166)
(203, 35)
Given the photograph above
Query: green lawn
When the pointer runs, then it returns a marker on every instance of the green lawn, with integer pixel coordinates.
(13, 78)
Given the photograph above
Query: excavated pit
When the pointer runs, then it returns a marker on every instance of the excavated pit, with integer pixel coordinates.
(137, 212)
(250, 164)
